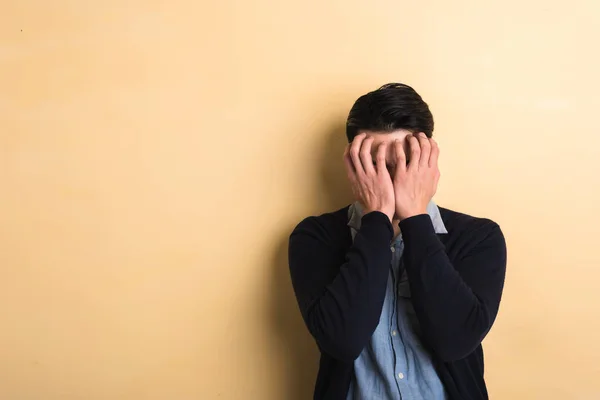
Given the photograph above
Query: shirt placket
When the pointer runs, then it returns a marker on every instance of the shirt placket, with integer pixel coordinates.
(397, 342)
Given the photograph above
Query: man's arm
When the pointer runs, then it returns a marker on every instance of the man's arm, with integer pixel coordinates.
(455, 304)
(341, 305)
(341, 310)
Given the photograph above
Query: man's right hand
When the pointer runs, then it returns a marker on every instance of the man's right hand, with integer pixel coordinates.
(371, 184)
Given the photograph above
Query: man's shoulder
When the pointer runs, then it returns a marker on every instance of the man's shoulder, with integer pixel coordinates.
(457, 218)
(461, 224)
(329, 225)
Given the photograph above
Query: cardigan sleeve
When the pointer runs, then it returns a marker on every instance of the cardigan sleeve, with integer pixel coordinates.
(341, 296)
(455, 304)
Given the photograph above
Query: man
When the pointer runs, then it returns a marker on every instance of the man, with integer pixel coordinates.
(397, 292)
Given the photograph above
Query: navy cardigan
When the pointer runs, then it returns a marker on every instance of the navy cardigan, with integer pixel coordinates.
(456, 281)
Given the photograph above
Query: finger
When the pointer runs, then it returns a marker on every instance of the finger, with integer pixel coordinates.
(380, 158)
(415, 152)
(435, 153)
(436, 181)
(365, 155)
(349, 165)
(355, 154)
(400, 156)
(425, 149)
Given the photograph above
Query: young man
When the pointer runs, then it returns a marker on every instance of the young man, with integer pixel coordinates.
(397, 292)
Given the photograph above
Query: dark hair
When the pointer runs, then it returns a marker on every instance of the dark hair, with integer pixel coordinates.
(393, 106)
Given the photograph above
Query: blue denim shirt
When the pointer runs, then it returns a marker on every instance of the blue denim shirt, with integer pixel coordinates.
(395, 364)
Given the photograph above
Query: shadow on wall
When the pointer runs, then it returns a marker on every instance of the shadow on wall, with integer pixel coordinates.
(299, 351)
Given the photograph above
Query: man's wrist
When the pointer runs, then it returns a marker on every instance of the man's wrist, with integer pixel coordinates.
(375, 218)
(412, 213)
(390, 217)
(417, 229)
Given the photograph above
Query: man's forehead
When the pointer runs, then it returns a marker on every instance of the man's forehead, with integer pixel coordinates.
(389, 138)
(387, 135)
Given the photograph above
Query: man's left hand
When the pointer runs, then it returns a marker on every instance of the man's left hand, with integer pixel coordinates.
(415, 182)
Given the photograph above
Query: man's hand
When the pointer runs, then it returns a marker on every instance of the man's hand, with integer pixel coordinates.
(415, 183)
(371, 184)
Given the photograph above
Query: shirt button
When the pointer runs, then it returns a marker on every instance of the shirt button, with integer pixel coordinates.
(394, 333)
(401, 375)
(393, 249)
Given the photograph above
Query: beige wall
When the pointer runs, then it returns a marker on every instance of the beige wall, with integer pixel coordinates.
(154, 157)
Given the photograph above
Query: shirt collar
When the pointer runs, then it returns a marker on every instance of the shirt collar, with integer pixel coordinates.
(355, 213)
